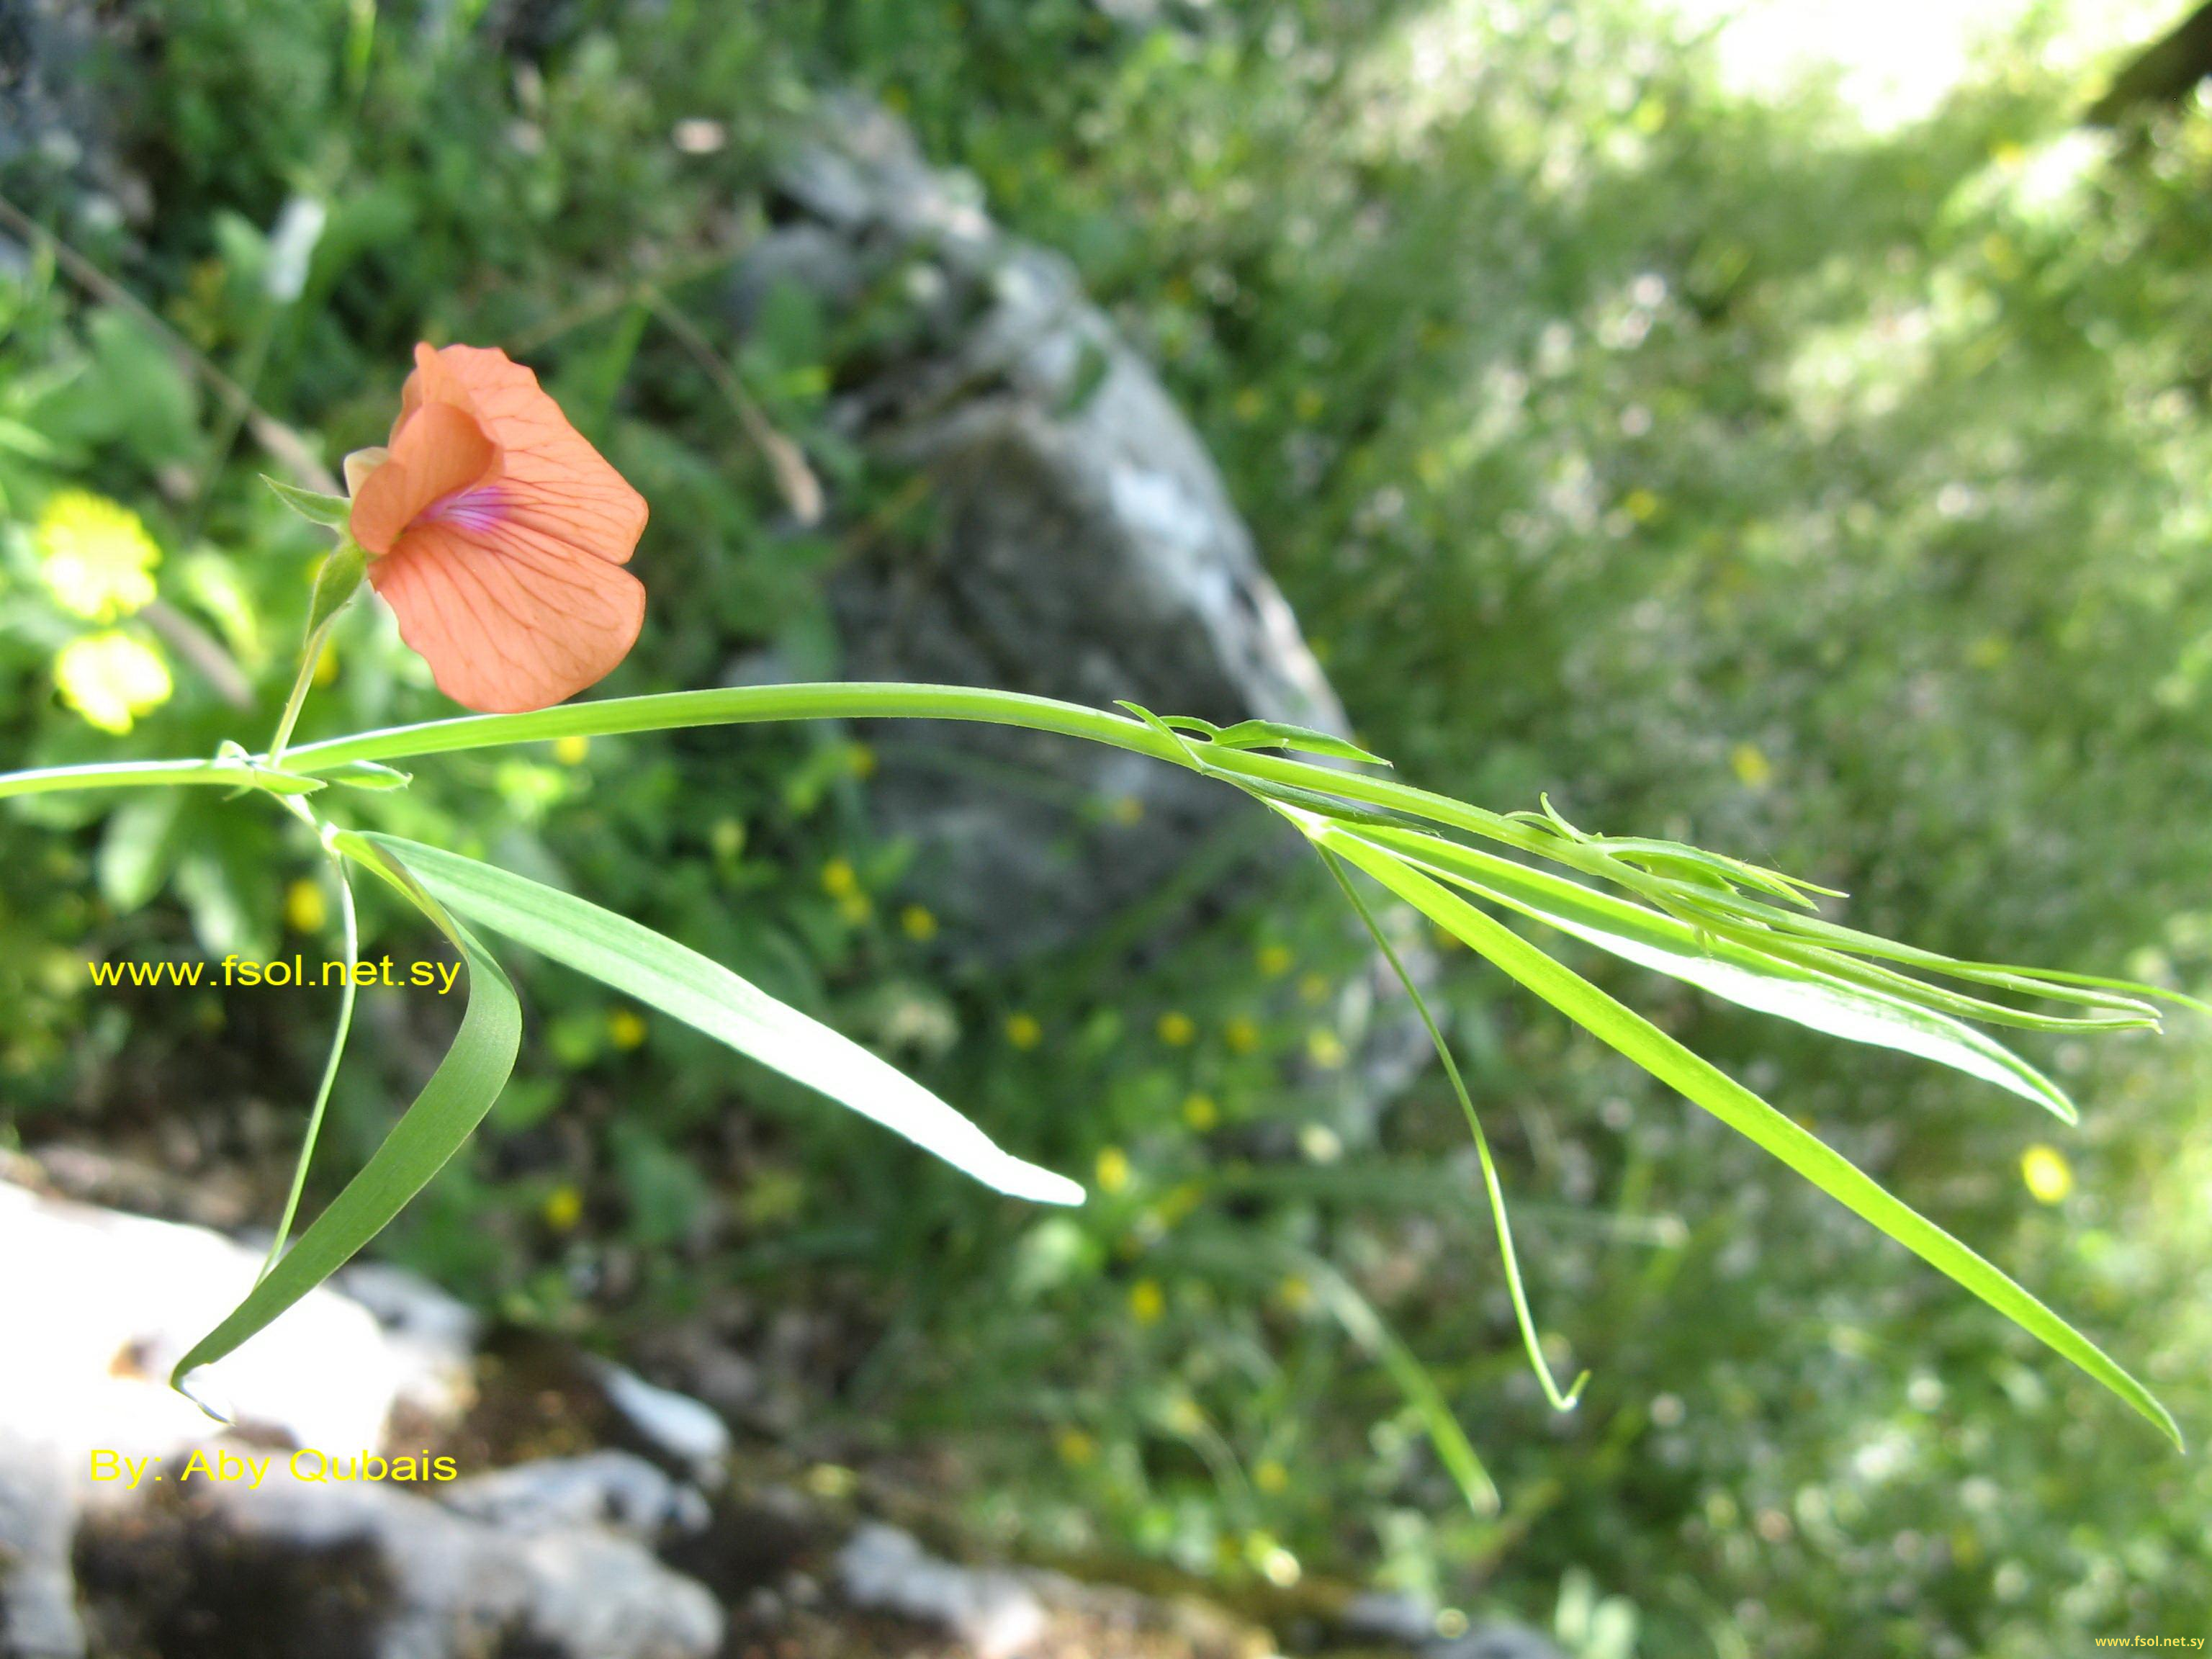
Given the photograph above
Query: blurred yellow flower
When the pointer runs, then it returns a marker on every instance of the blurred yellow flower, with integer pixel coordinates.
(839, 877)
(917, 924)
(1176, 1029)
(95, 555)
(112, 678)
(1640, 505)
(1077, 1449)
(1113, 1170)
(625, 1028)
(1183, 1417)
(305, 912)
(1325, 1049)
(1270, 1476)
(571, 750)
(1274, 960)
(2050, 1177)
(1200, 1112)
(854, 909)
(563, 1207)
(1295, 1294)
(1749, 763)
(1024, 1032)
(1242, 1035)
(1147, 1302)
(1314, 988)
(861, 760)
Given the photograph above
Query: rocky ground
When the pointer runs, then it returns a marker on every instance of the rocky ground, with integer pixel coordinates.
(583, 1511)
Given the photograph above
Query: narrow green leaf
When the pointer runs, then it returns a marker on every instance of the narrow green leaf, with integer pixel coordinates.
(1280, 734)
(1741, 1109)
(452, 1102)
(335, 511)
(704, 994)
(367, 774)
(1739, 973)
(1492, 1185)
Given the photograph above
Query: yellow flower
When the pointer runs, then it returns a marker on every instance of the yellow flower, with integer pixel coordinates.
(2050, 1178)
(112, 678)
(1200, 1112)
(1113, 1170)
(1314, 988)
(1242, 1035)
(95, 555)
(1640, 505)
(1147, 1302)
(1295, 1294)
(1308, 402)
(1750, 765)
(1270, 1476)
(1024, 1032)
(625, 1028)
(839, 878)
(571, 750)
(1325, 1049)
(563, 1207)
(1176, 1029)
(304, 909)
(1077, 1449)
(917, 924)
(854, 909)
(861, 760)
(1275, 960)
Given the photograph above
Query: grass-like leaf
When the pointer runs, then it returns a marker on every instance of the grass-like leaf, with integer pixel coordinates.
(702, 993)
(452, 1102)
(1725, 1098)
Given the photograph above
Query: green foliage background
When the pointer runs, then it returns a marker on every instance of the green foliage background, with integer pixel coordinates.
(1717, 465)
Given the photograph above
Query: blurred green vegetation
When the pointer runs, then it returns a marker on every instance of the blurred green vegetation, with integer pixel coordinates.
(1726, 469)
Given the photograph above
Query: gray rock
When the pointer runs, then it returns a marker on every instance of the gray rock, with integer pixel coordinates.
(993, 1611)
(1087, 548)
(686, 1431)
(37, 1520)
(391, 1574)
(611, 1489)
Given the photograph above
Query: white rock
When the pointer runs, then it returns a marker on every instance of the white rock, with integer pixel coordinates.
(993, 1611)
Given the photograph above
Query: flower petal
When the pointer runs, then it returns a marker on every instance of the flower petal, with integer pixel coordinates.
(508, 617)
(550, 477)
(442, 449)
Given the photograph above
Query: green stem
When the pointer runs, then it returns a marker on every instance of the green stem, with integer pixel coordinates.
(330, 1067)
(297, 698)
(119, 774)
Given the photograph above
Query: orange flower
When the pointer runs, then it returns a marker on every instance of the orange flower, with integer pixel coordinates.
(498, 535)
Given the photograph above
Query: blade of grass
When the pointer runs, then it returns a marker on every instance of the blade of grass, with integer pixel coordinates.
(1667, 1059)
(704, 994)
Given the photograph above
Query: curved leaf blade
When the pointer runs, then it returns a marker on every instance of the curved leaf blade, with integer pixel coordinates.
(431, 1130)
(702, 993)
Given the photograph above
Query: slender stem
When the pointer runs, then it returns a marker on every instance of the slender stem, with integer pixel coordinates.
(1572, 1397)
(297, 698)
(118, 774)
(330, 1066)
